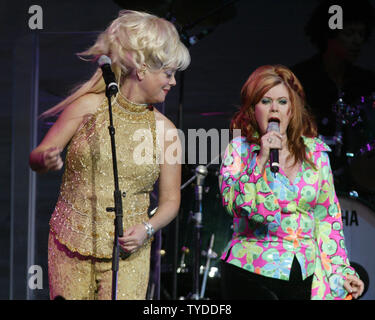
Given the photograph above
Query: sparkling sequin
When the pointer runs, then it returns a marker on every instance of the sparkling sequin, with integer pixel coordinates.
(77, 277)
(80, 222)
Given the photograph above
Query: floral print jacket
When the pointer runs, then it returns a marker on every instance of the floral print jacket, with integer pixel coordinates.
(275, 220)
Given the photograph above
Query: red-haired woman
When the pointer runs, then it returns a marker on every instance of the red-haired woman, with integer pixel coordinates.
(288, 239)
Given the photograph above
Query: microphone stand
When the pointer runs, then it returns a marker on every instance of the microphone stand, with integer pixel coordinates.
(201, 175)
(210, 254)
(117, 199)
(340, 122)
(187, 41)
(175, 224)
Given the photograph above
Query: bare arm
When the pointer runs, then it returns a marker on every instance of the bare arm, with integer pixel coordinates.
(169, 192)
(46, 156)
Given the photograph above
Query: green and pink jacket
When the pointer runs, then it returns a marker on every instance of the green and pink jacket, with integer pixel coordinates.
(275, 220)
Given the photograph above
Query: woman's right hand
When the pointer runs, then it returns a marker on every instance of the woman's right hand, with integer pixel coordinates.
(46, 156)
(47, 160)
(270, 140)
(51, 159)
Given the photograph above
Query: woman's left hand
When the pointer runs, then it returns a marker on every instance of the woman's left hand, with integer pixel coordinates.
(354, 285)
(133, 238)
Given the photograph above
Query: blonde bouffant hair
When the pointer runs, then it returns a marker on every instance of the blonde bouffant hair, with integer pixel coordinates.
(132, 40)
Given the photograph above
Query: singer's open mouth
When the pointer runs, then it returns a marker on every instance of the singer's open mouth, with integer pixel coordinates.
(274, 120)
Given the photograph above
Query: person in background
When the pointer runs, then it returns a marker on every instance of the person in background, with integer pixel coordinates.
(332, 74)
(332, 69)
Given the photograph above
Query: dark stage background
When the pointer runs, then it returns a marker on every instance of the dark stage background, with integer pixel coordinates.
(38, 68)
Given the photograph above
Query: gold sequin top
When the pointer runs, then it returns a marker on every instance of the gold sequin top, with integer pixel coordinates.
(80, 220)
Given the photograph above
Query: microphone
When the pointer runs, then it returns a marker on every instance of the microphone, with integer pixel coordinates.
(104, 63)
(274, 153)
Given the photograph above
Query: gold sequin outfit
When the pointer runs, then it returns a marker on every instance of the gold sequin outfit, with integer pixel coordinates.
(81, 230)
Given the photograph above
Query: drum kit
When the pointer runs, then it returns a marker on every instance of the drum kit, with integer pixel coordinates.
(353, 144)
(354, 157)
(206, 228)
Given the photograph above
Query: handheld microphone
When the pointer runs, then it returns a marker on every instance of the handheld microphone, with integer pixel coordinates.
(274, 153)
(104, 63)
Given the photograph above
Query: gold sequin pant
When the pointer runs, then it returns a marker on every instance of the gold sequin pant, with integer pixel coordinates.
(76, 277)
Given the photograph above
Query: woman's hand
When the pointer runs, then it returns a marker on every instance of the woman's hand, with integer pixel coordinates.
(133, 238)
(46, 156)
(51, 159)
(270, 140)
(354, 285)
(43, 161)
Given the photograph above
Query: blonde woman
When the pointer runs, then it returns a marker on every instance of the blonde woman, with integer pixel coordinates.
(146, 51)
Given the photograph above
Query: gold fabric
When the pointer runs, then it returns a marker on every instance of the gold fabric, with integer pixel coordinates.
(80, 220)
(76, 277)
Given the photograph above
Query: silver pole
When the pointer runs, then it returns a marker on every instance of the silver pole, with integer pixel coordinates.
(32, 174)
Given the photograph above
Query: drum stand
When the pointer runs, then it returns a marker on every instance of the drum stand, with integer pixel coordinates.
(200, 175)
(339, 125)
(210, 255)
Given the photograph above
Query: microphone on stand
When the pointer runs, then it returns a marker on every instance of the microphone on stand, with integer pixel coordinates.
(201, 173)
(111, 89)
(104, 63)
(274, 153)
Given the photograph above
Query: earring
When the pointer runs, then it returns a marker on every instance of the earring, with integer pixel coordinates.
(141, 72)
(143, 69)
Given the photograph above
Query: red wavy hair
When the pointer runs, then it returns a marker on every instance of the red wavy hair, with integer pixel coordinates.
(301, 123)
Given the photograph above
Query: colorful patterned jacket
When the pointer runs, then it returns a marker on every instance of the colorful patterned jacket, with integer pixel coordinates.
(275, 220)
